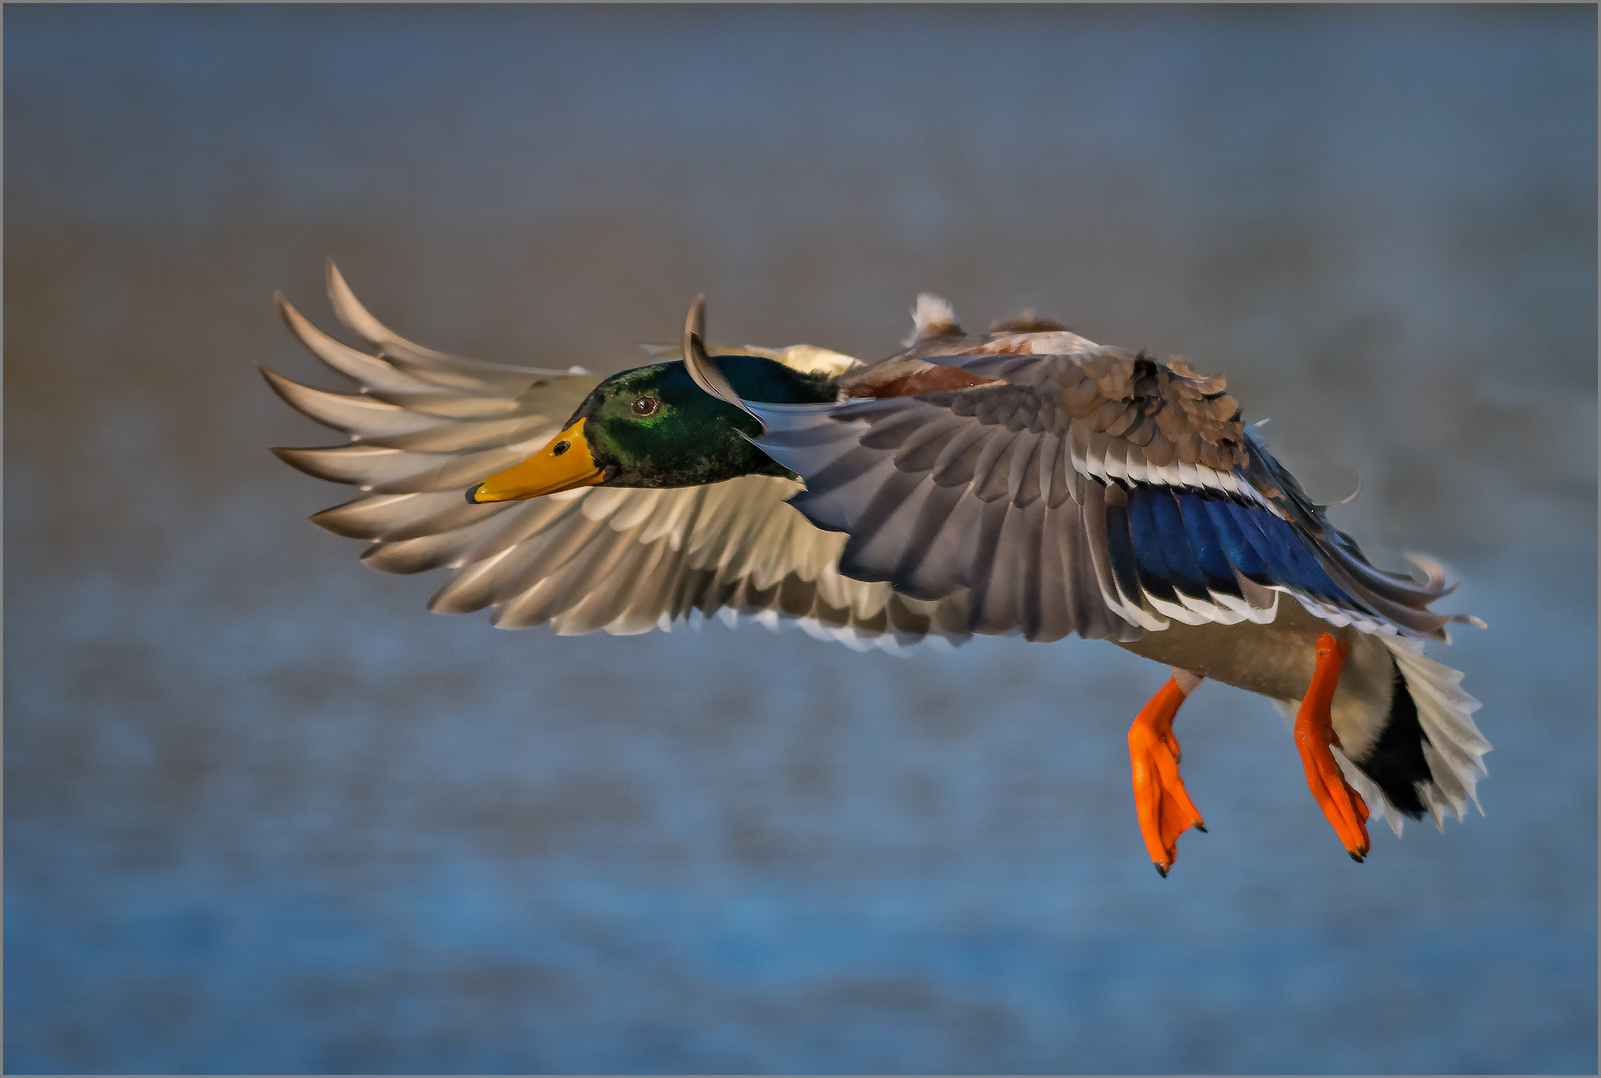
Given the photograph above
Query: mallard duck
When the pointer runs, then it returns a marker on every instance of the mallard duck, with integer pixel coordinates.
(1022, 481)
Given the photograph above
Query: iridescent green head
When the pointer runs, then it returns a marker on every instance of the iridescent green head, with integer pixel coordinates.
(654, 427)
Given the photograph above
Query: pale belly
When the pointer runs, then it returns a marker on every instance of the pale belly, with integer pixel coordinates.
(1277, 661)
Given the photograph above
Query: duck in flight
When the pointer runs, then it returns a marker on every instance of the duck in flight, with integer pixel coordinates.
(1023, 481)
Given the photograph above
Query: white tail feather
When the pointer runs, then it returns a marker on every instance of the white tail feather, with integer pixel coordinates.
(1454, 750)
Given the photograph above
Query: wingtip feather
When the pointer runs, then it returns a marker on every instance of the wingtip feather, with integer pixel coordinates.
(348, 309)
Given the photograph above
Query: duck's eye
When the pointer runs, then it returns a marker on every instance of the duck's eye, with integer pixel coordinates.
(559, 448)
(646, 405)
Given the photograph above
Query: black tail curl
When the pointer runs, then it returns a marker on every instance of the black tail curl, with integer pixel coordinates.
(1396, 761)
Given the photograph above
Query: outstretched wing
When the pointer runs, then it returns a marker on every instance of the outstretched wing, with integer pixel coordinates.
(1098, 493)
(425, 426)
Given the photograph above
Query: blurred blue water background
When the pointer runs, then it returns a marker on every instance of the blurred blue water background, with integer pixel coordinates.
(264, 813)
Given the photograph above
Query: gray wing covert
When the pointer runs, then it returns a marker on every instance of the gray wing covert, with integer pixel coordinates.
(969, 489)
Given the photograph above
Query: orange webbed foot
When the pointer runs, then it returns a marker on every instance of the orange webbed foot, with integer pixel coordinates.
(1314, 733)
(1163, 806)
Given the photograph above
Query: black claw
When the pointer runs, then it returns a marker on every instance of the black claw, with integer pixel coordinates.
(1355, 857)
(1201, 827)
(472, 494)
(1162, 871)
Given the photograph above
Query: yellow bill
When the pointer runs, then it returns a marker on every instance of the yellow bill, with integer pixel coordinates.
(562, 465)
